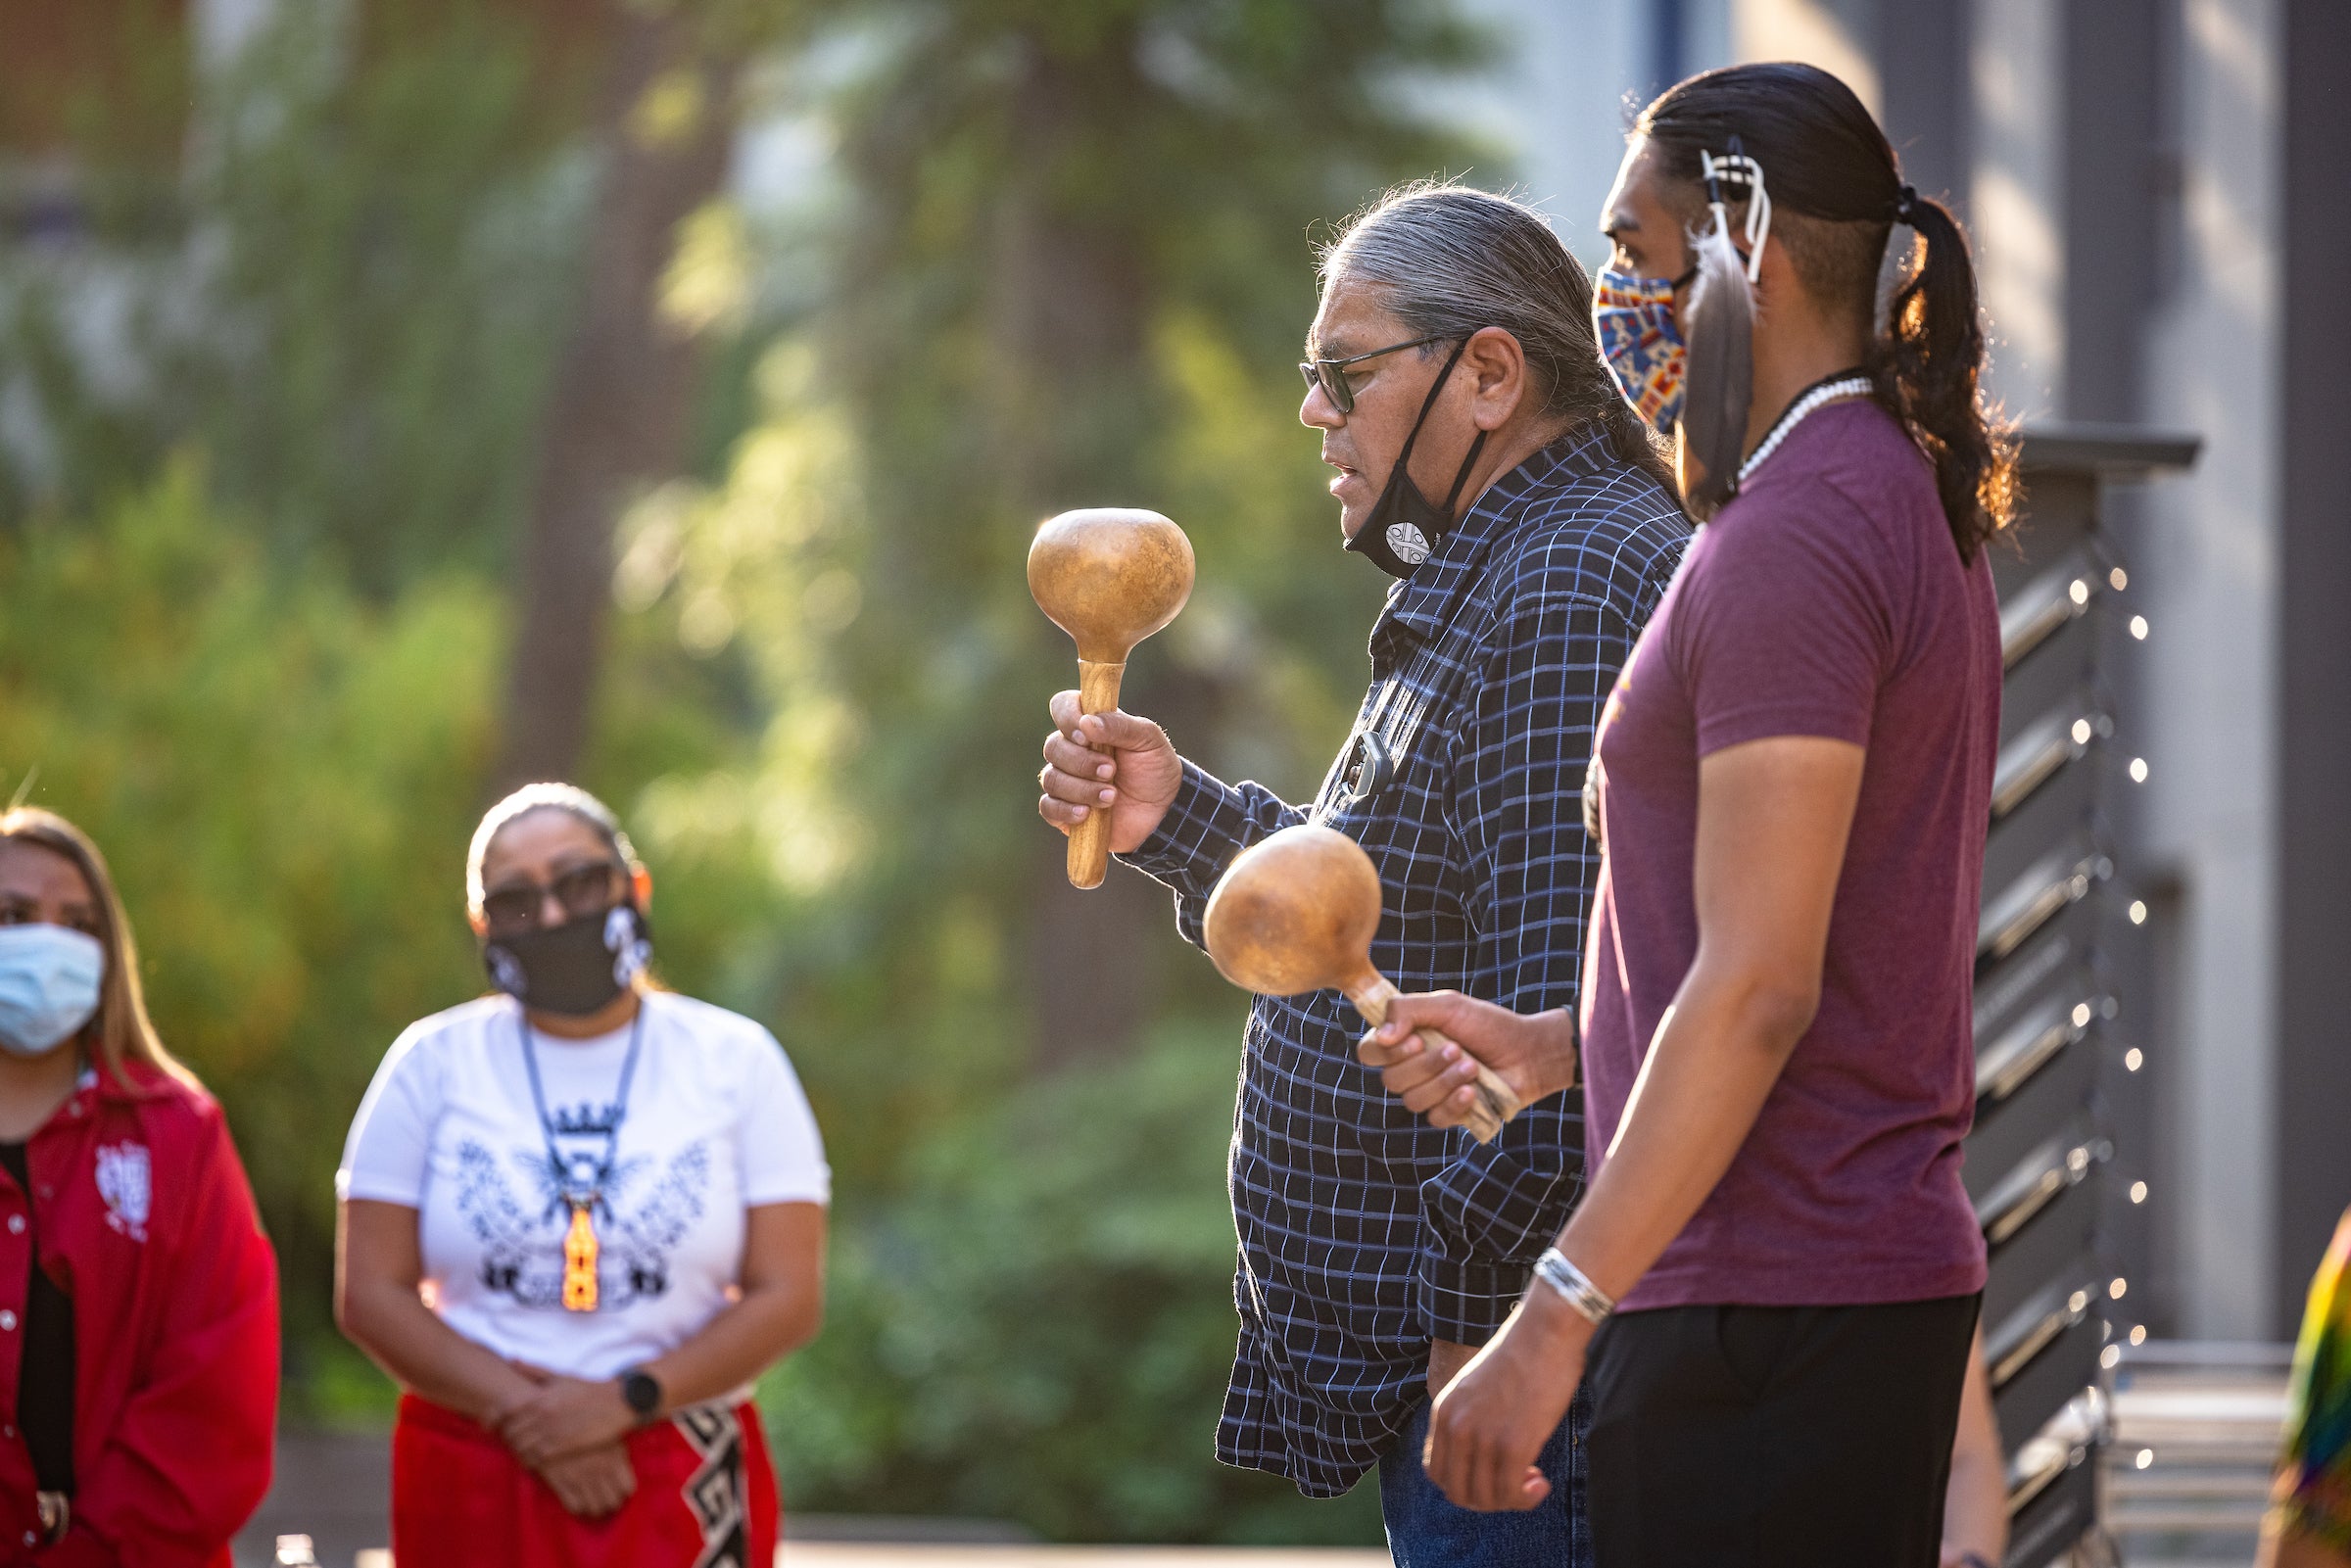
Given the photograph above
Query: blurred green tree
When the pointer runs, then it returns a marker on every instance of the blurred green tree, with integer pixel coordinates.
(1071, 266)
(349, 293)
(1039, 1330)
(284, 777)
(1072, 269)
(620, 409)
(1063, 259)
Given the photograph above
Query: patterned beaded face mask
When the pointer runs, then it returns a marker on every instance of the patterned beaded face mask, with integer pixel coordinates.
(1633, 318)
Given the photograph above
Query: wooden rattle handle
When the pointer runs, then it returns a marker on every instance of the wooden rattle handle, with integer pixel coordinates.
(1090, 840)
(1495, 1102)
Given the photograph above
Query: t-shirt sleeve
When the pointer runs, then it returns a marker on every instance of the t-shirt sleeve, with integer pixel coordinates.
(783, 1154)
(1789, 630)
(390, 1146)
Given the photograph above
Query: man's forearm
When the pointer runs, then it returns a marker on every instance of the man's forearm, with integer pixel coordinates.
(1712, 1064)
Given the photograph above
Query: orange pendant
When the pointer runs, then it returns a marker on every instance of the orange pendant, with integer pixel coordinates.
(579, 1262)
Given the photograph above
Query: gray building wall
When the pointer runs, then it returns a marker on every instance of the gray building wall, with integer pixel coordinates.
(2207, 699)
(2314, 816)
(1573, 76)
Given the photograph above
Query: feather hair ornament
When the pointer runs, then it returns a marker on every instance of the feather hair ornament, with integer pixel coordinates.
(1720, 331)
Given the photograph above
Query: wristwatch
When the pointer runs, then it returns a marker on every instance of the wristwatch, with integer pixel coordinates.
(643, 1390)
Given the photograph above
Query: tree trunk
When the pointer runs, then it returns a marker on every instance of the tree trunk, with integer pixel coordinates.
(623, 393)
(1067, 301)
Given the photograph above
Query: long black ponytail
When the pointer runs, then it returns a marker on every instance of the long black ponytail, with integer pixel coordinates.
(1926, 363)
(1825, 159)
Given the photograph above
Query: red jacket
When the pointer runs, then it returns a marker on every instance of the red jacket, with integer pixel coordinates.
(146, 1220)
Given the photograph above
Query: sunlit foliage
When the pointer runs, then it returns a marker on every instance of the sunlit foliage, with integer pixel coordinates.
(256, 623)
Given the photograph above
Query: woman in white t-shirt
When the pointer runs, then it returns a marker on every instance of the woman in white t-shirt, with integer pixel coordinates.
(579, 1218)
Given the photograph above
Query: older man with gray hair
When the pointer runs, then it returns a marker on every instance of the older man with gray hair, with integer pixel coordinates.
(1451, 356)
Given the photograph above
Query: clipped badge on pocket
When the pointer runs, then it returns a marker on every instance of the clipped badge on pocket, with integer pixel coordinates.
(1372, 769)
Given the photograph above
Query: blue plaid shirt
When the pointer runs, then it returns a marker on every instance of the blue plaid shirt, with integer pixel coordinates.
(1364, 1232)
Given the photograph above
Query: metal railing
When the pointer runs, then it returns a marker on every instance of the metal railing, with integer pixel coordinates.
(2196, 1431)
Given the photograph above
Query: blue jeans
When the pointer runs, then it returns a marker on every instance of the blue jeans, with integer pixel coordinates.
(1426, 1531)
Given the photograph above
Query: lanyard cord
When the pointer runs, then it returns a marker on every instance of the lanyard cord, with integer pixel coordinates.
(619, 1109)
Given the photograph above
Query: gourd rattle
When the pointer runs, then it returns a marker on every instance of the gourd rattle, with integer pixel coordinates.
(1296, 912)
(1108, 577)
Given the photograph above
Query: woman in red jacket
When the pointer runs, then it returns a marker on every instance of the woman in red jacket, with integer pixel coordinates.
(138, 1297)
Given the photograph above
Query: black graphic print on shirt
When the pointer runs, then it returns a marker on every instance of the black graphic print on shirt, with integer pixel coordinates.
(638, 1221)
(718, 1491)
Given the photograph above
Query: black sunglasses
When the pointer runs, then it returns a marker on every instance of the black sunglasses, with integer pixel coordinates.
(1331, 374)
(583, 891)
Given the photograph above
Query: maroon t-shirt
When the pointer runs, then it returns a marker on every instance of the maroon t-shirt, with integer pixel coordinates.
(1827, 600)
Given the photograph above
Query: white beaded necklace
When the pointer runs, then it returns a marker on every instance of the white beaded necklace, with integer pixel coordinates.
(1826, 392)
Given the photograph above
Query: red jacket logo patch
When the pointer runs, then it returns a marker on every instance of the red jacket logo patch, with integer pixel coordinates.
(122, 1183)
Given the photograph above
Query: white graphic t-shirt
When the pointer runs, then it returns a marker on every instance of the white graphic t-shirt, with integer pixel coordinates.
(713, 1123)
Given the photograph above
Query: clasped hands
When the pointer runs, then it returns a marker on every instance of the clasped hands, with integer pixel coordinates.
(1493, 1417)
(572, 1432)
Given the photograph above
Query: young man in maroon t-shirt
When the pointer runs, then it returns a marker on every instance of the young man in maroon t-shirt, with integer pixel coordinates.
(1792, 785)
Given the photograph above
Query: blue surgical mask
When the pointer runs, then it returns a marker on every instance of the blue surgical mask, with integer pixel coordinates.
(49, 979)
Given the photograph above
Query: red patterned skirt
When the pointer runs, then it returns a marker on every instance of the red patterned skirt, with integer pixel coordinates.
(705, 1498)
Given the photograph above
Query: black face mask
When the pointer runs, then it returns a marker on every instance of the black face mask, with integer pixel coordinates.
(1404, 529)
(574, 969)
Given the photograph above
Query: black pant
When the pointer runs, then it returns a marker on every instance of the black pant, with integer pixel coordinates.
(1758, 1437)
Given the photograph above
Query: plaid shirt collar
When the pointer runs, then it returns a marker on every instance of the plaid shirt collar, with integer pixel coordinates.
(1421, 607)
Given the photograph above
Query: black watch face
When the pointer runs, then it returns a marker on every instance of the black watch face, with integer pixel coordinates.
(642, 1392)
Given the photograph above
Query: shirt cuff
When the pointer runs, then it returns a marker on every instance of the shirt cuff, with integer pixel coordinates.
(377, 1188)
(1201, 833)
(1468, 1299)
(366, 1188)
(816, 1190)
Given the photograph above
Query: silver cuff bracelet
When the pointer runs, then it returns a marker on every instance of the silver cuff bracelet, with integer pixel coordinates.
(1586, 1300)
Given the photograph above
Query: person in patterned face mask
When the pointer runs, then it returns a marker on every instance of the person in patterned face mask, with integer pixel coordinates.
(1484, 459)
(138, 1297)
(614, 1199)
(1792, 785)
